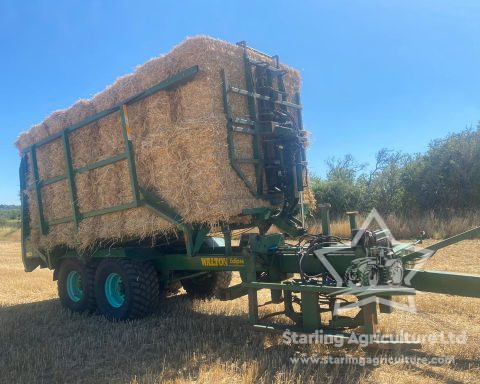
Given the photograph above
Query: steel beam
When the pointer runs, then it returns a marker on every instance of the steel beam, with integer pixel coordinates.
(458, 284)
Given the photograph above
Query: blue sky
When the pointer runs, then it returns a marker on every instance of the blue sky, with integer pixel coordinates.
(376, 74)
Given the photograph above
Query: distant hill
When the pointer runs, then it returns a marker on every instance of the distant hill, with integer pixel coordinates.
(6, 207)
(9, 215)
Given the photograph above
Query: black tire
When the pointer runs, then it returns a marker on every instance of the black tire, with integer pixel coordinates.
(85, 300)
(369, 275)
(208, 285)
(141, 291)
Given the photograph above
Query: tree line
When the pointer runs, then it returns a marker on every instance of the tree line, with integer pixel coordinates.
(445, 180)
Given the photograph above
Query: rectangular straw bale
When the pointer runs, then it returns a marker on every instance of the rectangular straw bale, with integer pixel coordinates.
(180, 143)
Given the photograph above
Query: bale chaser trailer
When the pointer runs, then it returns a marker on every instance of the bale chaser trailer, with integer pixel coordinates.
(310, 274)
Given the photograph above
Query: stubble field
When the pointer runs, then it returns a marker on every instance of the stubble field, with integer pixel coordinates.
(211, 341)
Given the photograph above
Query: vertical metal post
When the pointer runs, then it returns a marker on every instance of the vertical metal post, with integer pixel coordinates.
(230, 138)
(370, 317)
(310, 311)
(386, 308)
(352, 217)
(303, 155)
(253, 112)
(227, 236)
(25, 224)
(252, 292)
(302, 210)
(200, 235)
(126, 131)
(71, 178)
(38, 192)
(275, 276)
(188, 237)
(325, 214)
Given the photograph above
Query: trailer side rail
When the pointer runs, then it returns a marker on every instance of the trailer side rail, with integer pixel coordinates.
(127, 155)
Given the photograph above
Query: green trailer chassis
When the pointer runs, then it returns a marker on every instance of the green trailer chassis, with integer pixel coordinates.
(268, 264)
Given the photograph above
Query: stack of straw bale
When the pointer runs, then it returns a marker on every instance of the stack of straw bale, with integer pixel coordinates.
(180, 143)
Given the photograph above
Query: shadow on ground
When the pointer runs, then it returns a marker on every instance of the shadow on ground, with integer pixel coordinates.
(41, 342)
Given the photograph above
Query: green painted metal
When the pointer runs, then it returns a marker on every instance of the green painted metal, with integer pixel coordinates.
(170, 83)
(216, 262)
(52, 180)
(470, 234)
(369, 291)
(261, 213)
(265, 217)
(167, 84)
(251, 277)
(114, 290)
(230, 138)
(458, 284)
(325, 215)
(62, 220)
(352, 218)
(132, 171)
(161, 207)
(30, 257)
(71, 179)
(101, 163)
(288, 225)
(267, 243)
(262, 97)
(193, 238)
(83, 123)
(104, 211)
(227, 235)
(173, 81)
(25, 227)
(38, 192)
(370, 317)
(200, 235)
(263, 261)
(253, 112)
(291, 161)
(256, 129)
(310, 311)
(74, 286)
(89, 167)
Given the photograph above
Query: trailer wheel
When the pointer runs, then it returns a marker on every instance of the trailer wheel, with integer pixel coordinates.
(208, 285)
(125, 289)
(75, 285)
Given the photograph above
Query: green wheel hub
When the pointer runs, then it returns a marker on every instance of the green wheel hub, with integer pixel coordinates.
(115, 290)
(74, 286)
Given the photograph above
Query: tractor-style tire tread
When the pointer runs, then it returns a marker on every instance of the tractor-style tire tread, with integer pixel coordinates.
(143, 289)
(87, 271)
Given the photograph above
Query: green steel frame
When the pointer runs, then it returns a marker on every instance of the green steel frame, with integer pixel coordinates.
(128, 155)
(263, 261)
(256, 128)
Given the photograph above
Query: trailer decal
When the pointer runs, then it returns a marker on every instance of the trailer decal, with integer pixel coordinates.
(221, 261)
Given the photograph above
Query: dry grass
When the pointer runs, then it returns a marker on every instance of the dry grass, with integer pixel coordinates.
(9, 234)
(410, 227)
(205, 342)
